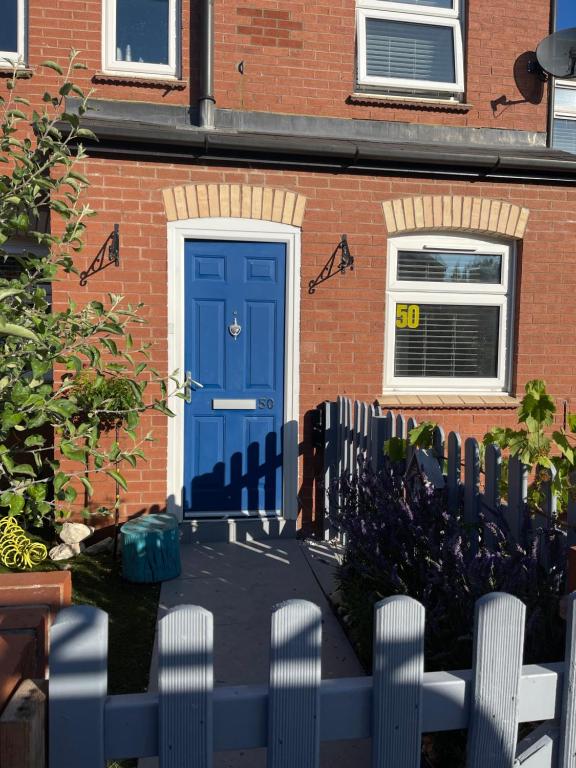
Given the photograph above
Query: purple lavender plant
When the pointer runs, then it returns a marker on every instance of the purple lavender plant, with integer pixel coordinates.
(402, 543)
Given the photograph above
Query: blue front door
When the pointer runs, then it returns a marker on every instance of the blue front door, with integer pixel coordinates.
(234, 346)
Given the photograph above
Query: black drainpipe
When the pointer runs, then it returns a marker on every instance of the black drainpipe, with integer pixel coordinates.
(207, 101)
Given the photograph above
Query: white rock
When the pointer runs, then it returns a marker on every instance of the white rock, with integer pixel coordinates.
(73, 533)
(65, 551)
(105, 545)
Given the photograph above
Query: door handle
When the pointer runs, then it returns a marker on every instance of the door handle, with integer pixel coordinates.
(188, 384)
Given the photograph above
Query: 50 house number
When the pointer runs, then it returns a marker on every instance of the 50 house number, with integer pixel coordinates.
(407, 315)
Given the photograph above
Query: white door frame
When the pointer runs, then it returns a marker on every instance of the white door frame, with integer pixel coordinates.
(234, 229)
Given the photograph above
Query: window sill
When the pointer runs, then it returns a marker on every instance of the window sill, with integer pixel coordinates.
(452, 402)
(408, 102)
(167, 84)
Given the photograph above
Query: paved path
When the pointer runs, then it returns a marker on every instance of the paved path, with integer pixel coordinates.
(240, 583)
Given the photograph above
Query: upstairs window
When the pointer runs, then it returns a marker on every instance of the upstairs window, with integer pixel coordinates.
(564, 93)
(448, 315)
(410, 45)
(140, 37)
(12, 32)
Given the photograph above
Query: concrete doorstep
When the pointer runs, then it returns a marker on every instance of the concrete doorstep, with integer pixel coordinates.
(240, 583)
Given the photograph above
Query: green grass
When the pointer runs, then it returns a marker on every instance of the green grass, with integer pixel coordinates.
(132, 608)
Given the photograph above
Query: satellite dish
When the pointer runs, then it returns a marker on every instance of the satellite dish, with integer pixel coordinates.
(556, 54)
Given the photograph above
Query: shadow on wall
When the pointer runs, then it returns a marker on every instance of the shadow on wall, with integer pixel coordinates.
(529, 81)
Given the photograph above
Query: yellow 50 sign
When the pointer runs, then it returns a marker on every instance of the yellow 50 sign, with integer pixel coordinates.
(407, 315)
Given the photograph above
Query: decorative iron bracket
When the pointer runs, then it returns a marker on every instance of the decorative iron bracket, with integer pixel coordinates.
(329, 269)
(108, 254)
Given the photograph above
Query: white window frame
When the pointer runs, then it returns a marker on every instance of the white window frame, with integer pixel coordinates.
(9, 58)
(110, 63)
(465, 294)
(415, 14)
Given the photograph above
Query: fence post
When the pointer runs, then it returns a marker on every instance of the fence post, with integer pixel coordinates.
(349, 436)
(364, 411)
(330, 463)
(398, 671)
(185, 686)
(471, 480)
(517, 497)
(355, 435)
(410, 425)
(294, 698)
(571, 510)
(390, 425)
(497, 667)
(549, 500)
(400, 430)
(380, 433)
(568, 710)
(78, 687)
(493, 470)
(438, 446)
(453, 470)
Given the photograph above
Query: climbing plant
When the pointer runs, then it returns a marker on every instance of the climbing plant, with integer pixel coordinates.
(49, 432)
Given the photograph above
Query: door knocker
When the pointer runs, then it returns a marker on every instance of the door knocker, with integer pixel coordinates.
(234, 329)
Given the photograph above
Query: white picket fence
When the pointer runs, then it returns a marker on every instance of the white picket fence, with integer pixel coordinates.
(189, 719)
(354, 429)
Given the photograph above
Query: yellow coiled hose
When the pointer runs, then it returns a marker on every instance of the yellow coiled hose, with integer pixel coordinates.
(16, 549)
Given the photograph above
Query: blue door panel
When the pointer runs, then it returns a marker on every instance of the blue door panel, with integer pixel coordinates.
(260, 345)
(209, 359)
(233, 457)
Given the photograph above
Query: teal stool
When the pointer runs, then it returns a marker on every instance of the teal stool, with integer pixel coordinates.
(150, 548)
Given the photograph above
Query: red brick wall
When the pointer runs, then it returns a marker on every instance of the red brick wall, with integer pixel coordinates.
(342, 324)
(299, 58)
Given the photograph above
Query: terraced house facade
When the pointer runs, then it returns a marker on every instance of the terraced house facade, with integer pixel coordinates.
(239, 141)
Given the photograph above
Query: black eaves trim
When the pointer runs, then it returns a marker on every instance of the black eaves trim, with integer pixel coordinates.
(148, 141)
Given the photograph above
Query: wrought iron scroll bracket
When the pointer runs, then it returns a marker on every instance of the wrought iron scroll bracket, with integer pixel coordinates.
(108, 254)
(332, 268)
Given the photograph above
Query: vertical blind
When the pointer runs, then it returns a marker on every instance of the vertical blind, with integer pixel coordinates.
(409, 50)
(441, 267)
(9, 26)
(565, 135)
(450, 341)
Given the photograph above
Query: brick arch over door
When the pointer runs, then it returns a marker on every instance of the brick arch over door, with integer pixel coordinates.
(234, 200)
(456, 213)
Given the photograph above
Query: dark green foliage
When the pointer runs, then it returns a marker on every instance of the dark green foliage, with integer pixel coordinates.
(41, 418)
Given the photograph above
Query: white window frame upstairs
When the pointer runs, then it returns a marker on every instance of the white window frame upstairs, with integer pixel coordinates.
(564, 113)
(18, 57)
(110, 63)
(464, 294)
(415, 14)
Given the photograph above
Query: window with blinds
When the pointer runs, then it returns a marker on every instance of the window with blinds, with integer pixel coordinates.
(449, 342)
(447, 322)
(564, 130)
(410, 44)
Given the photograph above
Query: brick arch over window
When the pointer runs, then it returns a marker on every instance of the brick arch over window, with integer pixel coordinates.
(456, 213)
(237, 200)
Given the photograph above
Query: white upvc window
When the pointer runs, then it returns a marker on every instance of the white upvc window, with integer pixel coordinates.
(448, 315)
(565, 115)
(13, 33)
(414, 45)
(141, 37)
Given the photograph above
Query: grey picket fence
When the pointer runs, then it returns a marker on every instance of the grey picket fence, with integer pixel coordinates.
(354, 430)
(190, 718)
